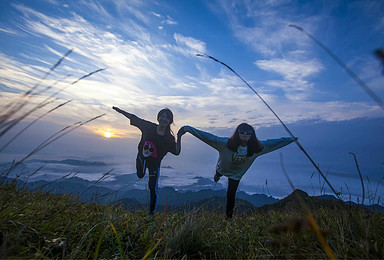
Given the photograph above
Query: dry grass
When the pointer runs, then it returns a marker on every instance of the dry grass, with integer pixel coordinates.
(36, 224)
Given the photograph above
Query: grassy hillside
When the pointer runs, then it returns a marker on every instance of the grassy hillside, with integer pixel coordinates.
(207, 204)
(42, 225)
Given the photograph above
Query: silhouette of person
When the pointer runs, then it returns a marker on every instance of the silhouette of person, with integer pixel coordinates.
(156, 141)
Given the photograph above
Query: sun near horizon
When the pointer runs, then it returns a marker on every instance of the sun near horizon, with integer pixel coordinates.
(108, 134)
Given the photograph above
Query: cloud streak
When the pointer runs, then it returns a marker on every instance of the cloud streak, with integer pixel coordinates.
(294, 75)
(145, 73)
(149, 52)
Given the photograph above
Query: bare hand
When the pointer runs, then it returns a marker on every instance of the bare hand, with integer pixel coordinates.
(181, 132)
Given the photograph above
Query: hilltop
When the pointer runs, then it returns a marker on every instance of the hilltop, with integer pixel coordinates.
(38, 224)
(291, 202)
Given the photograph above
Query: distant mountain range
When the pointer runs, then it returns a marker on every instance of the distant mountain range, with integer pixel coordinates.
(291, 202)
(208, 199)
(123, 189)
(93, 191)
(190, 200)
(127, 186)
(73, 162)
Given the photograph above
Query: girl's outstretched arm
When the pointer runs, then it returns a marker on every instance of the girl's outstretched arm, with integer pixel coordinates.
(178, 143)
(275, 144)
(128, 115)
(214, 141)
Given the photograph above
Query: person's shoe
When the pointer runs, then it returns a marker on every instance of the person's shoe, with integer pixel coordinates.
(216, 178)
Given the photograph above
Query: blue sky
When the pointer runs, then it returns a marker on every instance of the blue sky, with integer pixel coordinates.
(149, 51)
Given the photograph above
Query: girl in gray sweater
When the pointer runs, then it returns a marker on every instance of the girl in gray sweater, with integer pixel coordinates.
(236, 155)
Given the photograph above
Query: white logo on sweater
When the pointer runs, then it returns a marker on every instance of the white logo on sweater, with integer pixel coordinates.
(237, 158)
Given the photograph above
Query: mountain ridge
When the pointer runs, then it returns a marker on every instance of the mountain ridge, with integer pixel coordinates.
(137, 198)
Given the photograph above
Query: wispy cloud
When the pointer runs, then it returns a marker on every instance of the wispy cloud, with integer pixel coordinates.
(189, 44)
(145, 73)
(264, 28)
(294, 74)
(17, 75)
(9, 31)
(169, 21)
(103, 48)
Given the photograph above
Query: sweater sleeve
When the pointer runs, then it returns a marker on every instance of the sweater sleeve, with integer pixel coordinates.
(136, 121)
(274, 144)
(140, 123)
(212, 140)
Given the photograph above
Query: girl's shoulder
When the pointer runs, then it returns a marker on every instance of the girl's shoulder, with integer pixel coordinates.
(170, 137)
(140, 121)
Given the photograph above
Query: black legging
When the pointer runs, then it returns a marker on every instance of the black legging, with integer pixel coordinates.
(152, 182)
(231, 195)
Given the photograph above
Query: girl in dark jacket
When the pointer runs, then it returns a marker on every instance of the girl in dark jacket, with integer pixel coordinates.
(156, 141)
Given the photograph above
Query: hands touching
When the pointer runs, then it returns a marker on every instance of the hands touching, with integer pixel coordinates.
(181, 132)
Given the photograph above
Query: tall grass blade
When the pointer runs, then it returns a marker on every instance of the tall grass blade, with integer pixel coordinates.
(53, 138)
(361, 177)
(95, 256)
(42, 104)
(24, 115)
(162, 220)
(15, 106)
(49, 183)
(310, 217)
(34, 121)
(353, 75)
(105, 175)
(83, 240)
(380, 54)
(377, 187)
(29, 92)
(118, 241)
(79, 124)
(150, 250)
(39, 147)
(87, 75)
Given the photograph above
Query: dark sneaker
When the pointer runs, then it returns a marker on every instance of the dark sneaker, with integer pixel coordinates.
(217, 177)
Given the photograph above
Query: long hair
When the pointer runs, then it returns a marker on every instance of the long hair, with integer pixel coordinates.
(170, 116)
(254, 145)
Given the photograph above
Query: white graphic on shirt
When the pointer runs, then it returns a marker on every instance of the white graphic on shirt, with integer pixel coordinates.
(238, 159)
(240, 156)
(149, 149)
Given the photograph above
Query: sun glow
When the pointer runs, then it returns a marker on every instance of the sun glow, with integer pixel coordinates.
(111, 133)
(108, 134)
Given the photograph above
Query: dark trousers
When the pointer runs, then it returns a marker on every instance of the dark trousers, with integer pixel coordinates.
(141, 166)
(231, 195)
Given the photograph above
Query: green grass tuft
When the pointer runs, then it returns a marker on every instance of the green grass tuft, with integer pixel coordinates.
(35, 224)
